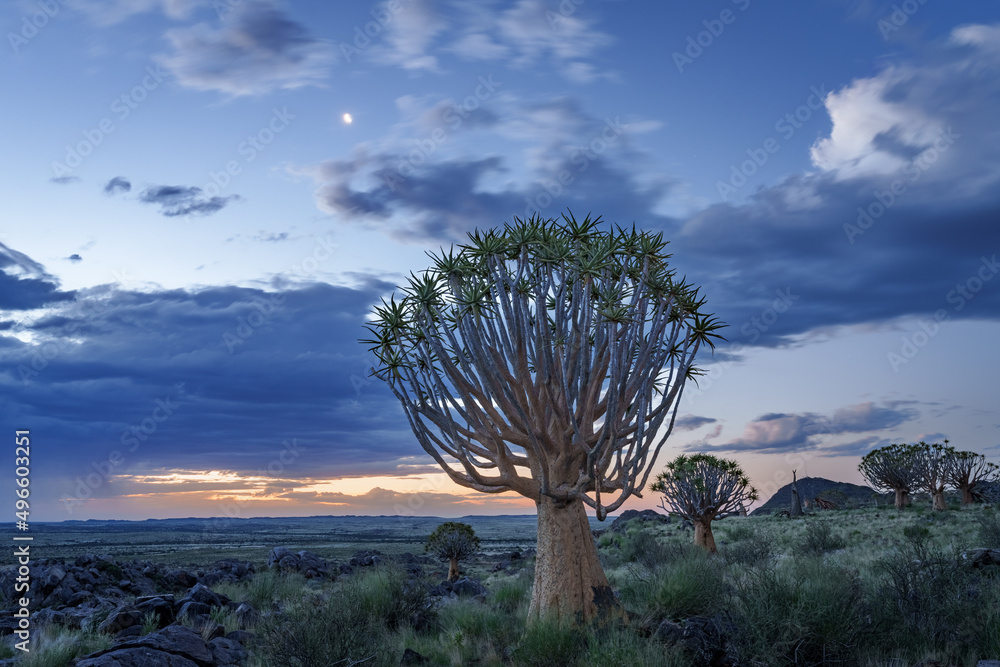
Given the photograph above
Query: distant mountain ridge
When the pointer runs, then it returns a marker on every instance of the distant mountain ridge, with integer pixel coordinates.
(842, 493)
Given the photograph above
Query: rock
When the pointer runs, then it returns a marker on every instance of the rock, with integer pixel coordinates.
(227, 651)
(128, 633)
(411, 657)
(162, 608)
(669, 632)
(980, 558)
(124, 617)
(173, 646)
(303, 562)
(988, 663)
(241, 636)
(466, 586)
(52, 578)
(246, 615)
(205, 595)
(191, 609)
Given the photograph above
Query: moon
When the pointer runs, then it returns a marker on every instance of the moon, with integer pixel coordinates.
(347, 119)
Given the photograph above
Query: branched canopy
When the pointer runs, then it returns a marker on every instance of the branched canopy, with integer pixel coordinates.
(702, 486)
(890, 468)
(968, 469)
(543, 359)
(453, 540)
(930, 465)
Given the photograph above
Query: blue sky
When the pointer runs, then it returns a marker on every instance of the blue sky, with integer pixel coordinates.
(193, 234)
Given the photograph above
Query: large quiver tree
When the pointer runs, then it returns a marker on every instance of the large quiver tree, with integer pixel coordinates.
(702, 488)
(545, 360)
(931, 464)
(969, 470)
(891, 468)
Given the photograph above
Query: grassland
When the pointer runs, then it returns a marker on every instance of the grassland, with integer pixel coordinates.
(870, 587)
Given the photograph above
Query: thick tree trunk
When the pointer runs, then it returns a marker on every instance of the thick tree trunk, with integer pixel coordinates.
(902, 499)
(570, 583)
(939, 503)
(967, 495)
(453, 569)
(796, 509)
(703, 534)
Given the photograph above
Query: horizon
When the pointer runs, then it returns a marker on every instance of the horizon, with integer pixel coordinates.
(208, 199)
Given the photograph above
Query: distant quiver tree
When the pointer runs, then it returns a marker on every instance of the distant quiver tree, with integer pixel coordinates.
(544, 360)
(891, 468)
(931, 464)
(968, 471)
(702, 488)
(453, 542)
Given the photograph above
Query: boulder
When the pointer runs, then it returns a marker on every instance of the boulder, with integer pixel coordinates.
(121, 618)
(466, 586)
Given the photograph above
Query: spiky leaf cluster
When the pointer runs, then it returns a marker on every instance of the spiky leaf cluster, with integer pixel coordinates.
(453, 540)
(891, 468)
(702, 486)
(542, 359)
(931, 463)
(969, 470)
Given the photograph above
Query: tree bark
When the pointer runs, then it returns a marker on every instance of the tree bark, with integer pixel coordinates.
(967, 495)
(796, 509)
(570, 583)
(939, 503)
(902, 499)
(703, 534)
(453, 569)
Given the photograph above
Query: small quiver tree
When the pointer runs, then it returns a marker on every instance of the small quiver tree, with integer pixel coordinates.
(891, 468)
(702, 488)
(453, 542)
(548, 360)
(931, 464)
(967, 470)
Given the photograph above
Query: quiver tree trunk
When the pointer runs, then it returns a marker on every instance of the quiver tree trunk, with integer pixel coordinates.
(796, 509)
(967, 498)
(939, 503)
(453, 569)
(568, 572)
(902, 498)
(703, 534)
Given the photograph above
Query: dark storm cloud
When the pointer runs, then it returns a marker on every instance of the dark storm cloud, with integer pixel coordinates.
(24, 283)
(781, 432)
(75, 257)
(257, 50)
(116, 185)
(210, 379)
(175, 200)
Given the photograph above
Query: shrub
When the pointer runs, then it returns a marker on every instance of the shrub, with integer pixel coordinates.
(547, 642)
(988, 533)
(819, 538)
(749, 545)
(509, 595)
(688, 585)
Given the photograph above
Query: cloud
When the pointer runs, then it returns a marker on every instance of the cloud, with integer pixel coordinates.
(259, 49)
(692, 422)
(409, 36)
(64, 180)
(75, 258)
(177, 200)
(781, 432)
(25, 284)
(116, 185)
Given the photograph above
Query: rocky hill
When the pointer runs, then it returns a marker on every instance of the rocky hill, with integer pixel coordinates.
(844, 494)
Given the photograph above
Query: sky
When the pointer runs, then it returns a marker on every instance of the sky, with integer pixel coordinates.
(203, 201)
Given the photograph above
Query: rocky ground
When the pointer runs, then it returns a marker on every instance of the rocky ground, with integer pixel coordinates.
(127, 599)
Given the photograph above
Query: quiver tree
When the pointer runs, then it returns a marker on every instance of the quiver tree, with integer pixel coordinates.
(796, 508)
(702, 488)
(544, 360)
(969, 470)
(931, 464)
(453, 542)
(891, 468)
